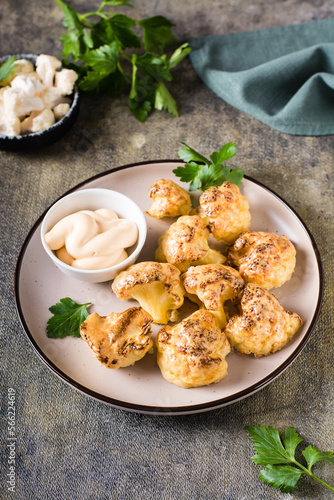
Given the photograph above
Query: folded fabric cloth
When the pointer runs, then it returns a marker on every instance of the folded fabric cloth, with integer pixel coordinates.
(283, 76)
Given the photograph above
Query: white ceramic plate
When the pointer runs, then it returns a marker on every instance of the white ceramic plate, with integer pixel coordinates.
(141, 388)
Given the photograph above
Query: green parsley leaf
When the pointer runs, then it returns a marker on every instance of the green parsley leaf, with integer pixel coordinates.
(67, 318)
(203, 173)
(178, 55)
(281, 477)
(116, 3)
(71, 43)
(6, 68)
(188, 154)
(225, 153)
(140, 108)
(290, 440)
(269, 447)
(101, 41)
(147, 89)
(77, 40)
(164, 100)
(235, 176)
(154, 69)
(157, 33)
(116, 28)
(90, 82)
(277, 455)
(114, 83)
(71, 18)
(189, 174)
(104, 59)
(313, 455)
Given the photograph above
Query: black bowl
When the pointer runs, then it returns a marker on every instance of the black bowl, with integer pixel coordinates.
(48, 136)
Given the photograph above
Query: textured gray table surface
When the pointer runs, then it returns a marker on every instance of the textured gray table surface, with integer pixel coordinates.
(72, 447)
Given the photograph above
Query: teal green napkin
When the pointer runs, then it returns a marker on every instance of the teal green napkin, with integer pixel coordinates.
(282, 76)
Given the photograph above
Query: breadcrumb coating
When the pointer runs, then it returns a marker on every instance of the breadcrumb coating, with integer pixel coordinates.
(119, 339)
(264, 326)
(192, 353)
(169, 199)
(266, 259)
(227, 211)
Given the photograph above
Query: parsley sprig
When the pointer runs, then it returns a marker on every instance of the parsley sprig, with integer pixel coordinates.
(277, 455)
(203, 173)
(109, 56)
(6, 68)
(67, 318)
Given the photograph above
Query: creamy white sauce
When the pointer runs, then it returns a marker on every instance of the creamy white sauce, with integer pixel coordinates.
(92, 240)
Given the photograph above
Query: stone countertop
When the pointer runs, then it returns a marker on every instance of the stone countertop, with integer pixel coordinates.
(70, 446)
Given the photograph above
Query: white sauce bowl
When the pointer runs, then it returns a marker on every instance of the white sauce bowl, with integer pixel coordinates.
(93, 199)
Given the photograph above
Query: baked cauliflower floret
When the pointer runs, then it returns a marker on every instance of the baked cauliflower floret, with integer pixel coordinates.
(192, 353)
(227, 211)
(185, 244)
(120, 339)
(210, 286)
(266, 259)
(264, 327)
(156, 286)
(169, 199)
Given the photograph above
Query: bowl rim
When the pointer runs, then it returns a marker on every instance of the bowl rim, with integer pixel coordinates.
(75, 96)
(142, 233)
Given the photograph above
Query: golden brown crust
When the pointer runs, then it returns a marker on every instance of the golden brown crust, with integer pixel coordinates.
(192, 353)
(143, 273)
(211, 286)
(185, 244)
(266, 259)
(213, 283)
(264, 326)
(155, 285)
(119, 339)
(227, 211)
(169, 199)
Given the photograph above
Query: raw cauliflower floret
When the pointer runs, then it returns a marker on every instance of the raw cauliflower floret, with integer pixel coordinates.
(52, 97)
(28, 84)
(169, 199)
(266, 259)
(192, 353)
(17, 104)
(264, 326)
(119, 339)
(37, 121)
(185, 244)
(10, 127)
(31, 96)
(157, 287)
(60, 110)
(65, 80)
(20, 67)
(227, 211)
(46, 67)
(210, 286)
